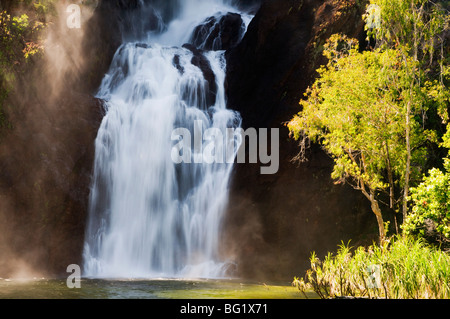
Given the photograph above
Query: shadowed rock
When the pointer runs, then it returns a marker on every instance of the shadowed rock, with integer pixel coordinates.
(219, 33)
(200, 61)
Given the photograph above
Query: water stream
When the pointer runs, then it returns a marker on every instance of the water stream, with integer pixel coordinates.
(150, 217)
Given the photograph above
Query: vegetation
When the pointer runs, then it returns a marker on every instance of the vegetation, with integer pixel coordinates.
(355, 110)
(20, 40)
(377, 111)
(415, 28)
(407, 268)
(22, 36)
(380, 113)
(430, 216)
(369, 110)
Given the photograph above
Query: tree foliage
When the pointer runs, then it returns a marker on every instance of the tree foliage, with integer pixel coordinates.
(415, 28)
(430, 217)
(369, 109)
(431, 210)
(355, 110)
(20, 42)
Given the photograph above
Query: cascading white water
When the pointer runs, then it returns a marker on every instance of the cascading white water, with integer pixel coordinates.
(150, 217)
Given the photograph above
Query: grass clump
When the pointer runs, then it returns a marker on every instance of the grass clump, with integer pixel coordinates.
(404, 268)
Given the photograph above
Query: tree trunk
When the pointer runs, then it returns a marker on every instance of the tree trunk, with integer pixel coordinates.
(391, 186)
(377, 211)
(391, 178)
(408, 160)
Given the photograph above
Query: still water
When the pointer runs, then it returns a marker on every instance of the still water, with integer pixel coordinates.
(145, 289)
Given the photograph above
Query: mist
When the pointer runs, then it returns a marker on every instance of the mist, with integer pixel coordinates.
(44, 153)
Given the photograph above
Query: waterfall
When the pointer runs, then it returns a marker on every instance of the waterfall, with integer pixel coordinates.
(149, 216)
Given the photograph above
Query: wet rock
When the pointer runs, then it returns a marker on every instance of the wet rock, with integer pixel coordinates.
(250, 6)
(111, 22)
(200, 61)
(176, 63)
(219, 33)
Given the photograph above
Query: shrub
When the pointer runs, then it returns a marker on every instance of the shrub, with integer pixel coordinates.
(404, 268)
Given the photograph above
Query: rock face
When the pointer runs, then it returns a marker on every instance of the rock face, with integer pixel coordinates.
(46, 158)
(277, 220)
(276, 61)
(200, 61)
(219, 34)
(45, 165)
(274, 221)
(251, 6)
(111, 22)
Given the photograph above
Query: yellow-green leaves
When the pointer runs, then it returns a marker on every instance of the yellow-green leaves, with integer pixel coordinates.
(416, 25)
(20, 23)
(365, 110)
(404, 268)
(431, 207)
(430, 215)
(355, 109)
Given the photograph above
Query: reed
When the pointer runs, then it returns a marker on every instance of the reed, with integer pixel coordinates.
(402, 268)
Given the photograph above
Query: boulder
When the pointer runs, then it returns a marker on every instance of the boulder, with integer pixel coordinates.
(200, 61)
(219, 33)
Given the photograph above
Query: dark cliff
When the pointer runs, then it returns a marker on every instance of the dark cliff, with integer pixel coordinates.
(274, 221)
(280, 219)
(47, 153)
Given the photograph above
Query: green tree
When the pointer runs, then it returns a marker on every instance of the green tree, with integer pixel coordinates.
(355, 110)
(369, 110)
(416, 29)
(430, 217)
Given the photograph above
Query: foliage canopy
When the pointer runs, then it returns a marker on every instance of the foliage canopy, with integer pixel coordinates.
(369, 109)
